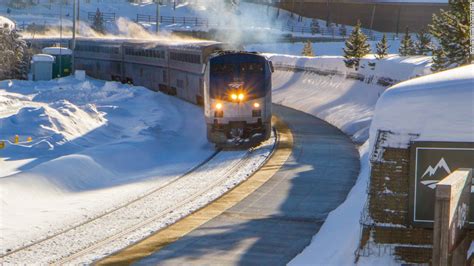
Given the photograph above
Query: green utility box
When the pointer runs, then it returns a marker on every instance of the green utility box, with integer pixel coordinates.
(62, 65)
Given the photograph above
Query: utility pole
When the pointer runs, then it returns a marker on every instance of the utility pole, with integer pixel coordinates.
(60, 36)
(157, 16)
(73, 42)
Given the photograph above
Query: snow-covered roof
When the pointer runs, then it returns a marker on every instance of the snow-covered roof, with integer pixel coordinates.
(57, 51)
(6, 21)
(43, 58)
(438, 107)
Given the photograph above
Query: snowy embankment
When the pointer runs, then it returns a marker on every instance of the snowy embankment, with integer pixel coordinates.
(319, 48)
(94, 147)
(324, 87)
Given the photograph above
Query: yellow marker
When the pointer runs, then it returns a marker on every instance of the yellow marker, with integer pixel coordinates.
(17, 139)
(2, 145)
(29, 139)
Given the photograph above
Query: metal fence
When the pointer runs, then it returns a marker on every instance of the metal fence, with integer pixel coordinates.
(187, 21)
(107, 17)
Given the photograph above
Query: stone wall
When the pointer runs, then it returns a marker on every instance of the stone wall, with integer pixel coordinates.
(386, 226)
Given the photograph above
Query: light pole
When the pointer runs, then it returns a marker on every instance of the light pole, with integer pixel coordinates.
(157, 16)
(73, 42)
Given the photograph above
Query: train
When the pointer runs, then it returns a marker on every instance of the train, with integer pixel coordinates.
(233, 86)
(238, 98)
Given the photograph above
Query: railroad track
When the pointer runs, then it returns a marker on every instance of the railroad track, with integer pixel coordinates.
(85, 249)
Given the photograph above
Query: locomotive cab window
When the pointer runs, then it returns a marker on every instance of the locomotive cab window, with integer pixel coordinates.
(251, 68)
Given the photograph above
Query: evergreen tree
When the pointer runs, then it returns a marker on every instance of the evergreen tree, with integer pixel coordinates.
(98, 23)
(356, 47)
(423, 44)
(452, 30)
(382, 48)
(14, 55)
(315, 26)
(307, 49)
(440, 61)
(343, 30)
(407, 46)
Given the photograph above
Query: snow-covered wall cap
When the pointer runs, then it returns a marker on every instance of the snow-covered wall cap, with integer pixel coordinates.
(57, 51)
(437, 107)
(43, 58)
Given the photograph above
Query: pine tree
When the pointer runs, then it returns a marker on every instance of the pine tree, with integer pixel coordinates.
(423, 44)
(440, 61)
(407, 46)
(356, 47)
(315, 26)
(14, 55)
(307, 49)
(452, 30)
(382, 48)
(98, 23)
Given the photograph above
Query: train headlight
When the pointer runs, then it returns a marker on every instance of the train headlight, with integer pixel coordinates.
(256, 105)
(218, 106)
(233, 96)
(241, 96)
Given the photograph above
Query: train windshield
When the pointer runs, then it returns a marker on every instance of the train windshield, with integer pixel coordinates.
(251, 75)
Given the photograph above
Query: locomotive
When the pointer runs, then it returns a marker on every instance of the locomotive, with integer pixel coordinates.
(237, 98)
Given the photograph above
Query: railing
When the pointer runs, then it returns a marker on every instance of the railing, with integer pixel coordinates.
(187, 21)
(107, 17)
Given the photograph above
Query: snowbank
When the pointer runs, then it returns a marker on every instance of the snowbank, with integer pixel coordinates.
(325, 87)
(438, 107)
(82, 160)
(319, 48)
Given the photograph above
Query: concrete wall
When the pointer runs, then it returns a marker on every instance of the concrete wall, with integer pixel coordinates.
(388, 17)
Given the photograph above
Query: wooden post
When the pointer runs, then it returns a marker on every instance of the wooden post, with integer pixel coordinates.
(453, 195)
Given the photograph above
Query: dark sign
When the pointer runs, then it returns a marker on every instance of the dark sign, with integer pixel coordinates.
(430, 162)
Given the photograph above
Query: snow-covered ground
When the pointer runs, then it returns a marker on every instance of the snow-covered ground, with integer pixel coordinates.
(319, 48)
(87, 137)
(95, 146)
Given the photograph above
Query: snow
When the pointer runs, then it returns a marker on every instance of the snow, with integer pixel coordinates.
(57, 51)
(43, 58)
(345, 102)
(438, 107)
(319, 48)
(6, 21)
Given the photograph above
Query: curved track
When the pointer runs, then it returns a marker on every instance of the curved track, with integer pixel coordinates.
(272, 222)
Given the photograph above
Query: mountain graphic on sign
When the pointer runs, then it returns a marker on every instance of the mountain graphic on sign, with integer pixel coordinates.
(431, 171)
